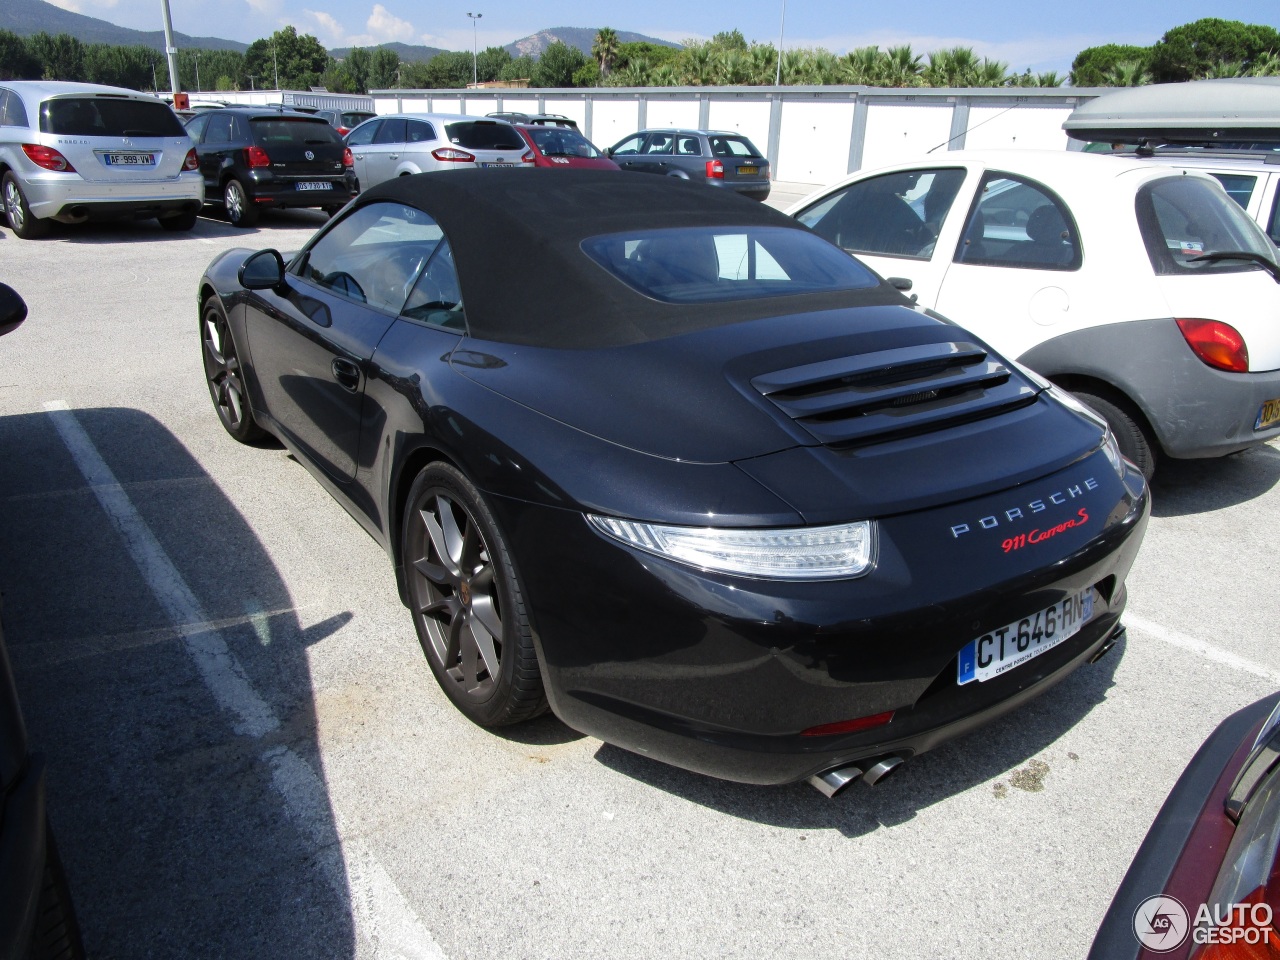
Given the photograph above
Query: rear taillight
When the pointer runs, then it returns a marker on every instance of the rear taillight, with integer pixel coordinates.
(450, 155)
(192, 162)
(255, 156)
(343, 131)
(47, 157)
(348, 158)
(527, 158)
(1216, 343)
(715, 170)
(849, 726)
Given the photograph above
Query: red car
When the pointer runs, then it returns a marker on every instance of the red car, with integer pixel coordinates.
(1205, 884)
(563, 147)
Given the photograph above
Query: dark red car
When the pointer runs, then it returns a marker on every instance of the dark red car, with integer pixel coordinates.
(1205, 884)
(563, 147)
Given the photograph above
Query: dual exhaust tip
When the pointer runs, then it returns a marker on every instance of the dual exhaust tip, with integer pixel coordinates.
(834, 781)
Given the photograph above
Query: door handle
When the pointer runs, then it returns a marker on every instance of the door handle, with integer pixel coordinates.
(347, 374)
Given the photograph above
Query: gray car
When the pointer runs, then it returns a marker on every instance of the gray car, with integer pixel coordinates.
(72, 152)
(401, 144)
(719, 158)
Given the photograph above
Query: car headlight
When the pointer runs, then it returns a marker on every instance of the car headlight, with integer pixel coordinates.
(838, 552)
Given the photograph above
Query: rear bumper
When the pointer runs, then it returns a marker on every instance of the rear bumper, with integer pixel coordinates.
(754, 190)
(22, 859)
(268, 190)
(72, 199)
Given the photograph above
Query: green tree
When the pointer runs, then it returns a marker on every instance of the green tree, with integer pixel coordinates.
(730, 40)
(61, 57)
(1193, 50)
(357, 63)
(587, 75)
(384, 66)
(491, 62)
(16, 61)
(445, 71)
(521, 68)
(605, 49)
(1093, 65)
(299, 59)
(557, 65)
(118, 66)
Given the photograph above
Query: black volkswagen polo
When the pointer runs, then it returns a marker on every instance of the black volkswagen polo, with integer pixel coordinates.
(663, 460)
(256, 158)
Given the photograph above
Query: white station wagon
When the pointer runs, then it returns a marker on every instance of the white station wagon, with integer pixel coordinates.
(72, 152)
(1141, 288)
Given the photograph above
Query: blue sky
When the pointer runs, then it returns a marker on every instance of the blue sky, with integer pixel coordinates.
(1042, 36)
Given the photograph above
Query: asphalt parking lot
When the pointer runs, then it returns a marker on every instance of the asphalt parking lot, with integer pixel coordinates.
(249, 755)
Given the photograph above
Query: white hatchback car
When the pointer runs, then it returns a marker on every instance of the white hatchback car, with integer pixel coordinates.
(401, 144)
(73, 152)
(1141, 288)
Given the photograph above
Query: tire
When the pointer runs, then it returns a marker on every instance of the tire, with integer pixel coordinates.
(1131, 434)
(240, 209)
(466, 601)
(224, 375)
(182, 222)
(21, 221)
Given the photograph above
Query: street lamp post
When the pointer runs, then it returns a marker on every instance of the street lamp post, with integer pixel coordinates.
(276, 66)
(777, 80)
(475, 49)
(197, 56)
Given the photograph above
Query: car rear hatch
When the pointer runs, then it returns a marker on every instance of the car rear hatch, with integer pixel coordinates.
(739, 158)
(300, 148)
(110, 136)
(492, 142)
(1192, 231)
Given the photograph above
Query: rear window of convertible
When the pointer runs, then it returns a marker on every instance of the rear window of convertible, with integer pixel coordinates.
(710, 264)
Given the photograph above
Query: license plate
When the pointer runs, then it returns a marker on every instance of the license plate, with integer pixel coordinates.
(1012, 645)
(309, 185)
(130, 159)
(744, 170)
(1268, 416)
(497, 163)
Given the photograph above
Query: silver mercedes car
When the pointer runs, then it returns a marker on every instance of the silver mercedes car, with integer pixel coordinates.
(72, 152)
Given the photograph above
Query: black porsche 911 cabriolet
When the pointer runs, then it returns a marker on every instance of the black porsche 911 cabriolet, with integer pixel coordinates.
(663, 460)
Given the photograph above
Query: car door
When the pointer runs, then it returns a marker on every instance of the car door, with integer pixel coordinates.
(1014, 273)
(358, 142)
(383, 154)
(658, 153)
(419, 140)
(626, 153)
(903, 223)
(312, 340)
(215, 149)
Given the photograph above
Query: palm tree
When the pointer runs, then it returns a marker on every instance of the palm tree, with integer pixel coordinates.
(902, 68)
(1128, 73)
(605, 49)
(1267, 65)
(861, 66)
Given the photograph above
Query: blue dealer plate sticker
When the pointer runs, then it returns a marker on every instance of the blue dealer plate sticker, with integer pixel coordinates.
(1012, 645)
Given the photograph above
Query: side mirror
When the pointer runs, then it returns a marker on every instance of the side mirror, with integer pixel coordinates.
(262, 271)
(13, 309)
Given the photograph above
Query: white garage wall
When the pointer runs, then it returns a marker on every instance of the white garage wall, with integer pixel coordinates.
(673, 113)
(1022, 125)
(810, 139)
(898, 131)
(523, 105)
(478, 108)
(574, 109)
(749, 117)
(611, 120)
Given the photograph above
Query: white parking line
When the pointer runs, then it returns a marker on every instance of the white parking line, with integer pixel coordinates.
(1201, 648)
(383, 917)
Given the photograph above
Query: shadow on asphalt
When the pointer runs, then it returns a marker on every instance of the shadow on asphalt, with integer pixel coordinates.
(210, 224)
(1184, 487)
(990, 752)
(181, 837)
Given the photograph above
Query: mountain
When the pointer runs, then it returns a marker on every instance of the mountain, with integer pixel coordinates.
(408, 53)
(26, 17)
(580, 37)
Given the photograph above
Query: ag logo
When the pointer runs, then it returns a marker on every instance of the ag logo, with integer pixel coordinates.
(309, 155)
(1160, 924)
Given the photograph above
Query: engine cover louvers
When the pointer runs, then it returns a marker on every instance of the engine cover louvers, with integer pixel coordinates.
(873, 397)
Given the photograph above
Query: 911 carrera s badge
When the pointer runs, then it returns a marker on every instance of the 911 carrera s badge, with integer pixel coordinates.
(1022, 512)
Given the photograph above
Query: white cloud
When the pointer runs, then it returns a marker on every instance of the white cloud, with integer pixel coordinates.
(67, 5)
(328, 25)
(386, 27)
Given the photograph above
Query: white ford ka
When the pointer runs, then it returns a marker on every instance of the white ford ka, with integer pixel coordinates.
(1143, 289)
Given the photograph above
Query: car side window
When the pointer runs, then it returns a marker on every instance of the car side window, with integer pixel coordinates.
(363, 134)
(12, 111)
(391, 131)
(436, 298)
(659, 143)
(1019, 223)
(219, 129)
(628, 147)
(1239, 186)
(419, 131)
(374, 255)
(896, 214)
(688, 147)
(195, 129)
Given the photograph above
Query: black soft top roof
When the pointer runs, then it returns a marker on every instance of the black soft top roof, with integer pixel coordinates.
(517, 234)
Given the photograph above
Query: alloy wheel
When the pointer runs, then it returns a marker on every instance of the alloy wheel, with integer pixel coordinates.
(13, 205)
(222, 368)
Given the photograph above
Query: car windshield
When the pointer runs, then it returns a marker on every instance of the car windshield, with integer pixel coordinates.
(293, 131)
(108, 117)
(1183, 218)
(485, 135)
(710, 264)
(562, 142)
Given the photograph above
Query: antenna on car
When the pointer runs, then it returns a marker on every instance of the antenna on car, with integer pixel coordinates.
(967, 129)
